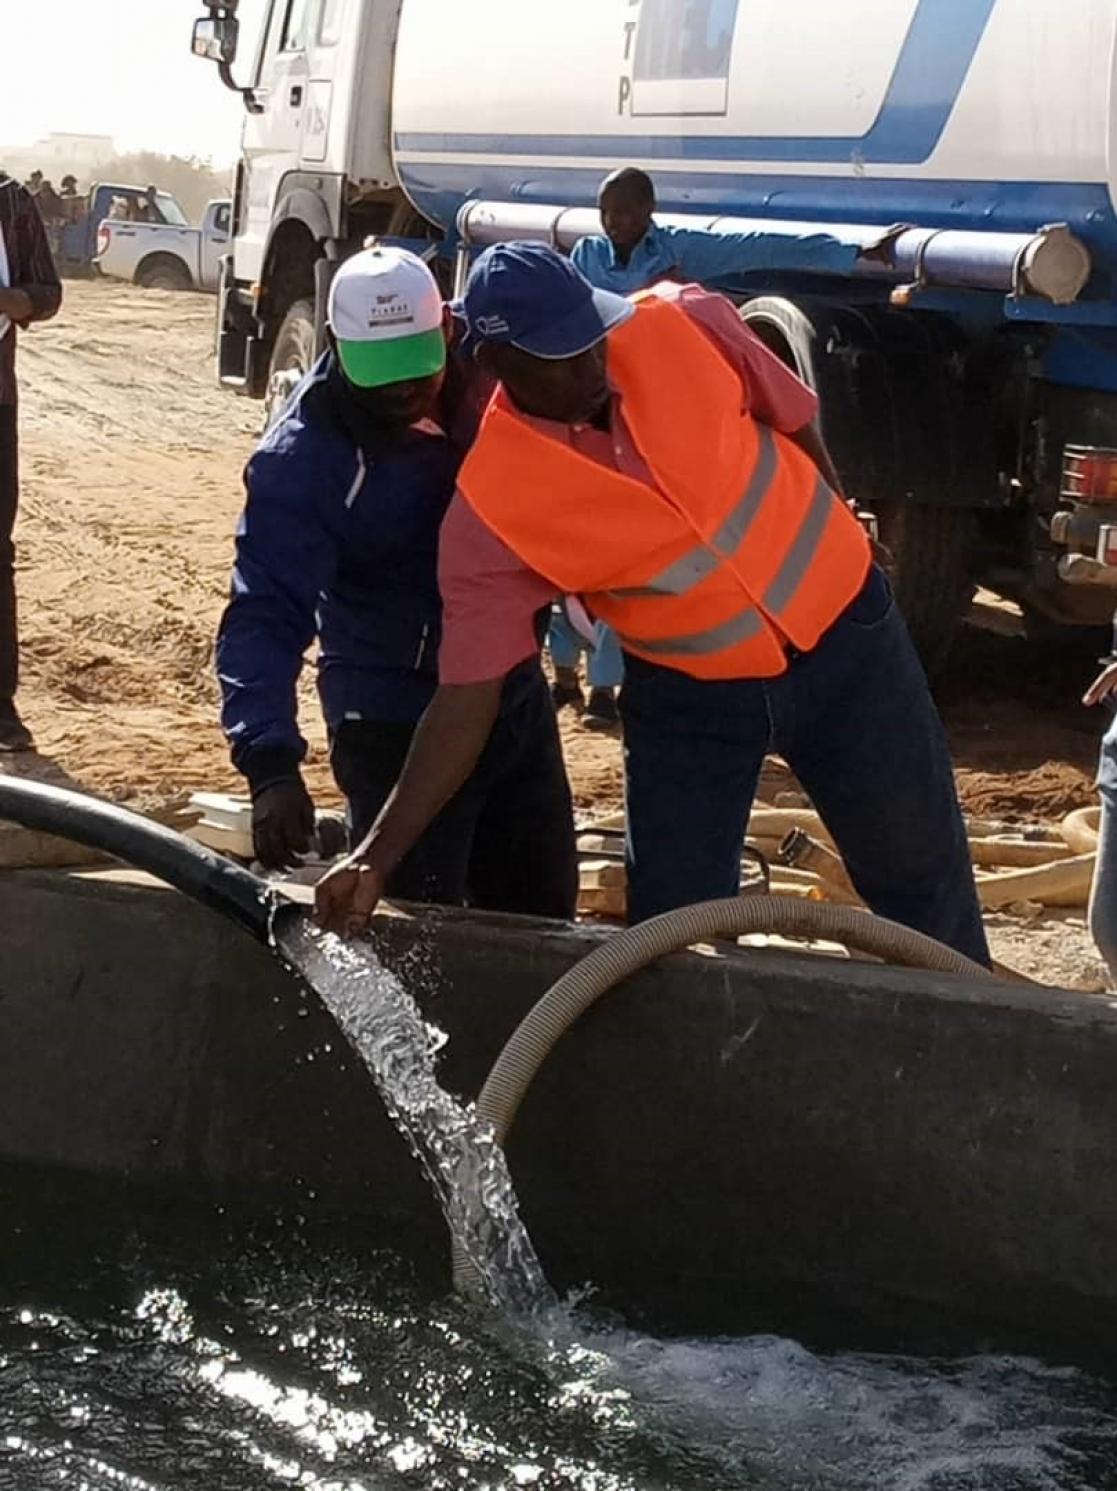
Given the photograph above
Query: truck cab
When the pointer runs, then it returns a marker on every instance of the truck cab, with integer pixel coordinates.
(315, 175)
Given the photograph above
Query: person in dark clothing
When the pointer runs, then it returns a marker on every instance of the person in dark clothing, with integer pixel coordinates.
(49, 203)
(29, 291)
(73, 203)
(146, 209)
(339, 541)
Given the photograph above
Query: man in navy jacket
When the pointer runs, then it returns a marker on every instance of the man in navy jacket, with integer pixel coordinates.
(339, 541)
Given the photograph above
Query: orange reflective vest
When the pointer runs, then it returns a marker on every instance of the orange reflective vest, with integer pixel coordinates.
(738, 549)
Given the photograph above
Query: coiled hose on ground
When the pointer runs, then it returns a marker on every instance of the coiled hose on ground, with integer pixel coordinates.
(628, 951)
(191, 868)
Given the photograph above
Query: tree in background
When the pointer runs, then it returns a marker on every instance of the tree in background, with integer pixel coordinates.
(192, 181)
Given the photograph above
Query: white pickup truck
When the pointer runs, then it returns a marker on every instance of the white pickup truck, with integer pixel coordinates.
(165, 256)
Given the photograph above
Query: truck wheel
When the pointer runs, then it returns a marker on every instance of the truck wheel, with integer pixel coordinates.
(932, 548)
(292, 358)
(932, 551)
(164, 272)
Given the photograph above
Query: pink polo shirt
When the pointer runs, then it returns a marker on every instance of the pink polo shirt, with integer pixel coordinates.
(490, 597)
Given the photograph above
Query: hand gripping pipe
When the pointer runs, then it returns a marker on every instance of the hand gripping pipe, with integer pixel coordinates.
(198, 872)
(628, 951)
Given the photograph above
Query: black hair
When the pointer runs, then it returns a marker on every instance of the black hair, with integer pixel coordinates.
(633, 182)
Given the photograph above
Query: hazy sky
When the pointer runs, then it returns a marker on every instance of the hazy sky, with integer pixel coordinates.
(121, 68)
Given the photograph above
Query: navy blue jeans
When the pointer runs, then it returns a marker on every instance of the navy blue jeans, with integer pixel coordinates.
(505, 842)
(855, 721)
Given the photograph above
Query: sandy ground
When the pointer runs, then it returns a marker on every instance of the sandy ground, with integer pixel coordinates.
(131, 488)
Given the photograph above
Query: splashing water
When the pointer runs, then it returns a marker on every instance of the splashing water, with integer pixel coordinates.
(301, 1364)
(460, 1157)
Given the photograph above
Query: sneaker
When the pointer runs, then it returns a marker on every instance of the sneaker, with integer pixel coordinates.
(566, 689)
(14, 734)
(601, 711)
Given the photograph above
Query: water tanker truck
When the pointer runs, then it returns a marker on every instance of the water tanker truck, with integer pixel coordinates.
(968, 387)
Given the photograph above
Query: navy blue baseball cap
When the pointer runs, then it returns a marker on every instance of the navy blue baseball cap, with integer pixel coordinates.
(529, 296)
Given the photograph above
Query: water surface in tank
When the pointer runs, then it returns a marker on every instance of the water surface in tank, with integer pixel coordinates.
(147, 1349)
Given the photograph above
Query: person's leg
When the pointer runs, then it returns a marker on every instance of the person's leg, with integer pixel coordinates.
(693, 752)
(1103, 891)
(605, 673)
(563, 642)
(606, 661)
(524, 857)
(367, 757)
(565, 646)
(13, 736)
(856, 723)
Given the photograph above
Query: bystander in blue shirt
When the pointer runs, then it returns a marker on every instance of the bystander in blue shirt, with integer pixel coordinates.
(689, 254)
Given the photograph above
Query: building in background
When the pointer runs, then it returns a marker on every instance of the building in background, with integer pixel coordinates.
(59, 154)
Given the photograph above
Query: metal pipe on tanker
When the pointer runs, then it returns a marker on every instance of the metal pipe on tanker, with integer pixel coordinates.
(1051, 264)
(483, 223)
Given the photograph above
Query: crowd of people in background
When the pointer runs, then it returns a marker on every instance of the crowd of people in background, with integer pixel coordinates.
(61, 209)
(57, 208)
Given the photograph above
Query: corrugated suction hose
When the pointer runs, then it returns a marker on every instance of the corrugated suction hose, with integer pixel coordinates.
(628, 951)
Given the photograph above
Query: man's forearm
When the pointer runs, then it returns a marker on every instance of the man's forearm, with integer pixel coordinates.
(17, 304)
(45, 301)
(446, 747)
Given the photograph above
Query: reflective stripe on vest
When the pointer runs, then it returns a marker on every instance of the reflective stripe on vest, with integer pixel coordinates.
(748, 622)
(702, 560)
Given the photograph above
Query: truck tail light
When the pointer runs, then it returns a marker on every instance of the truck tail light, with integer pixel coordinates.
(1089, 474)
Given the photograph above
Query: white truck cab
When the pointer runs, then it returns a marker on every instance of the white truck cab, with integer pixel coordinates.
(315, 174)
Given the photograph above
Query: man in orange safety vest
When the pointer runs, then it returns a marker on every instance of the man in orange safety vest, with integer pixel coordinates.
(643, 455)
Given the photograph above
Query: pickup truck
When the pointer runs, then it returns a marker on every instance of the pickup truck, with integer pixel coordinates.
(165, 256)
(75, 246)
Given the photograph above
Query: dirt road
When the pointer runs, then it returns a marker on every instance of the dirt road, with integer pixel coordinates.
(131, 489)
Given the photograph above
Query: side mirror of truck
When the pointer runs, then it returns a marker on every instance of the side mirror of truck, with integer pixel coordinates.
(215, 38)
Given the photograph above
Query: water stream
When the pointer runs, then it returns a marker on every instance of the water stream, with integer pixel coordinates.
(460, 1158)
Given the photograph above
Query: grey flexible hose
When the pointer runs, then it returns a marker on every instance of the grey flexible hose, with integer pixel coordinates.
(615, 959)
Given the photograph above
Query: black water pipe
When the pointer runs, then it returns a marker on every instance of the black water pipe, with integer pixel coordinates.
(198, 872)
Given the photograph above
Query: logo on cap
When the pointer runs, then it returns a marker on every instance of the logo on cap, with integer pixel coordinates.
(491, 326)
(391, 310)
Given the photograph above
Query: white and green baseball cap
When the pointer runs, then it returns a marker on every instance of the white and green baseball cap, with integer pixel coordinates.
(385, 312)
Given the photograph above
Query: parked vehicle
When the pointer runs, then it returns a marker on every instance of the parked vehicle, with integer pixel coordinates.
(163, 256)
(105, 199)
(969, 390)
